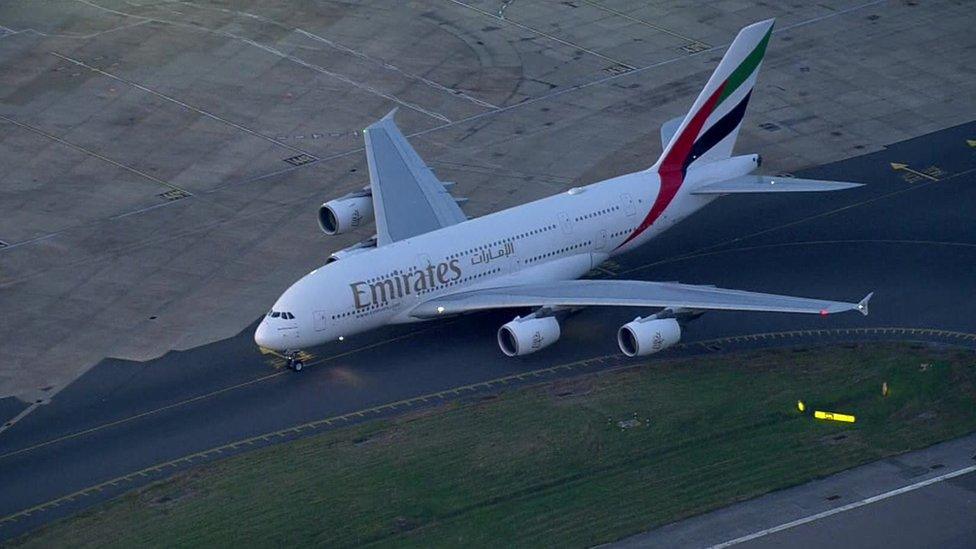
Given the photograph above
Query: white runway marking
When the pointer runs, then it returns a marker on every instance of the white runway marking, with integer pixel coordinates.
(848, 507)
(282, 55)
(346, 49)
(384, 64)
(94, 154)
(181, 103)
(83, 36)
(351, 82)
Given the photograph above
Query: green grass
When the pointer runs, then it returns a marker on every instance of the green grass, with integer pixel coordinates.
(548, 465)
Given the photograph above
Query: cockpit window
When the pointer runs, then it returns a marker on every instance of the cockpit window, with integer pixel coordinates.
(275, 314)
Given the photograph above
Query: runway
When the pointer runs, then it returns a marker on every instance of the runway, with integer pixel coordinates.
(907, 237)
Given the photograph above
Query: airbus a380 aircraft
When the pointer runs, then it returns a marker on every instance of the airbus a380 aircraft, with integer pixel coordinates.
(427, 260)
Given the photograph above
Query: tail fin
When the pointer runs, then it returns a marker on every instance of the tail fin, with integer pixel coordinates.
(709, 130)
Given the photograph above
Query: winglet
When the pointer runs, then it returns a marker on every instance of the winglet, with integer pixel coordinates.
(862, 306)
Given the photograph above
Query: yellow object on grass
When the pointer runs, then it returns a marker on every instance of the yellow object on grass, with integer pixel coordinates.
(833, 416)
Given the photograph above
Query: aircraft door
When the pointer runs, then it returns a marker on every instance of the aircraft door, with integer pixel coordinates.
(319, 320)
(566, 222)
(627, 202)
(601, 239)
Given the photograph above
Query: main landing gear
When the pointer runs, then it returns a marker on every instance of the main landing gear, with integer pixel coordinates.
(294, 362)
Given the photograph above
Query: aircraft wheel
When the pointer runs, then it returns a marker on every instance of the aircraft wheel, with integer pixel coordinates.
(297, 365)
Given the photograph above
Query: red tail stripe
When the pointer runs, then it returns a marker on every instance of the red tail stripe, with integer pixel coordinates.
(671, 170)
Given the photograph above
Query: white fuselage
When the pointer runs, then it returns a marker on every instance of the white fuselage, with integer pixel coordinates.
(561, 237)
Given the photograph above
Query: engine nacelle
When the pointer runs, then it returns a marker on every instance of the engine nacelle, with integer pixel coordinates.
(527, 335)
(646, 336)
(345, 214)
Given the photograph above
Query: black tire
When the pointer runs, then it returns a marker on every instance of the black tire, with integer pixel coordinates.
(297, 365)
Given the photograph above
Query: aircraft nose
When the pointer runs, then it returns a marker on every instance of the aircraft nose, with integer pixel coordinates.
(263, 336)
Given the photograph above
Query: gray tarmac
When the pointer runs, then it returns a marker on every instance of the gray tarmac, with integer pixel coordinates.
(113, 110)
(150, 198)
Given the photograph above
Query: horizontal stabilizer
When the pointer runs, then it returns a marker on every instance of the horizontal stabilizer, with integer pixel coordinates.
(863, 305)
(772, 184)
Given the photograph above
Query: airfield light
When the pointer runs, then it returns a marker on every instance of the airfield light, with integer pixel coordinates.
(342, 338)
(440, 309)
(801, 406)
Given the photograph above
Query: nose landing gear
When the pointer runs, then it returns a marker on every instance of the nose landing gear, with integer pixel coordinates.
(294, 362)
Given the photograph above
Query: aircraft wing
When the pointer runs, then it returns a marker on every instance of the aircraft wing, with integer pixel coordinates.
(408, 199)
(628, 293)
(770, 184)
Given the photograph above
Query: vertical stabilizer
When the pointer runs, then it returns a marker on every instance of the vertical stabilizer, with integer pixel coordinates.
(710, 128)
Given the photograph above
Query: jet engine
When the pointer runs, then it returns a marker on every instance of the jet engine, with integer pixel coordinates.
(345, 214)
(527, 335)
(644, 336)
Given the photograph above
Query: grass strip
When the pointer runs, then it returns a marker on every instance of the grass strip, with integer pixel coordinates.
(550, 464)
